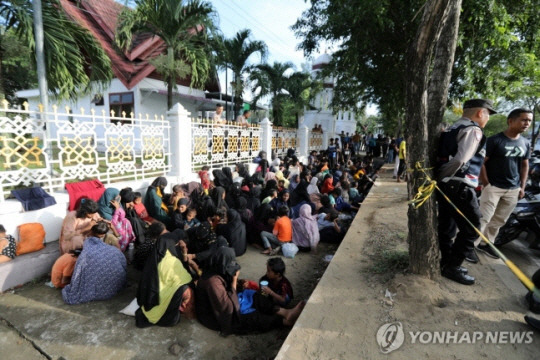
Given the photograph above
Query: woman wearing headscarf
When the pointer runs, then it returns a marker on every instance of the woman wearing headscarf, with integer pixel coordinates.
(122, 226)
(300, 194)
(164, 286)
(305, 229)
(270, 185)
(245, 214)
(218, 197)
(312, 187)
(106, 210)
(235, 232)
(283, 199)
(254, 199)
(242, 171)
(153, 201)
(269, 176)
(228, 174)
(295, 179)
(279, 176)
(217, 302)
(127, 198)
(179, 216)
(328, 184)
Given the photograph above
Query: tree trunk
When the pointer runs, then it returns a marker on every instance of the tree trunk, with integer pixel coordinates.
(172, 80)
(423, 247)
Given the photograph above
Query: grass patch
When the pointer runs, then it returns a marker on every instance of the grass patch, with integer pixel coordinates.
(390, 261)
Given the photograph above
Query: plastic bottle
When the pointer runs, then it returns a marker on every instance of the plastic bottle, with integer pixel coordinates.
(130, 253)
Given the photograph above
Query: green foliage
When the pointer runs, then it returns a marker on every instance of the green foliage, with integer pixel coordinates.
(495, 125)
(75, 62)
(497, 56)
(18, 71)
(234, 54)
(184, 26)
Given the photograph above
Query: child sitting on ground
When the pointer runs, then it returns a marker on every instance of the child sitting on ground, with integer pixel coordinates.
(63, 268)
(281, 233)
(191, 219)
(7, 246)
(279, 287)
(140, 209)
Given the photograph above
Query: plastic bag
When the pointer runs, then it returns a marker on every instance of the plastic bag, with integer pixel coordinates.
(289, 250)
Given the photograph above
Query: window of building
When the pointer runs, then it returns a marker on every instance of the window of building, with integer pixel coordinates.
(121, 102)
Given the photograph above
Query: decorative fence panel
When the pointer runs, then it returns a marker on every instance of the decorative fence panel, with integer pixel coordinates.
(315, 141)
(283, 139)
(74, 147)
(222, 145)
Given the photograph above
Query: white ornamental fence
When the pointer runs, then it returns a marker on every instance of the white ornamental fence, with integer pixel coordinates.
(76, 147)
(283, 139)
(55, 148)
(219, 145)
(316, 141)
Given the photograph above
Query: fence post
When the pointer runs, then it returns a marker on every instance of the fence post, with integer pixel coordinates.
(266, 136)
(303, 142)
(180, 143)
(325, 140)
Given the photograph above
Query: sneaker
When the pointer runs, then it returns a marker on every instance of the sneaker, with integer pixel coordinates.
(472, 257)
(487, 250)
(275, 251)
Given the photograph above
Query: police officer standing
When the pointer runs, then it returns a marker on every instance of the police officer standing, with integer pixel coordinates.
(460, 157)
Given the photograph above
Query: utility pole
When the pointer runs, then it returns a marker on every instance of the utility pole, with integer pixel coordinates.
(40, 57)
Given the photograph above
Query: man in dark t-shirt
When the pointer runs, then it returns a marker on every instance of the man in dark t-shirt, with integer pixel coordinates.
(504, 175)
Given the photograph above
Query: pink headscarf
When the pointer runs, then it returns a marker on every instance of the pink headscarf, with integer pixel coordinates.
(305, 229)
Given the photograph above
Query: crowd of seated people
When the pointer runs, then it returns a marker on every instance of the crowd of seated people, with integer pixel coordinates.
(186, 243)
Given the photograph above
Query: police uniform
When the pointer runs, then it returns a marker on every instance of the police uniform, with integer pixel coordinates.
(460, 156)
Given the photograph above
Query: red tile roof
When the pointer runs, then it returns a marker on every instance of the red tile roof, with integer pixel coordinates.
(129, 66)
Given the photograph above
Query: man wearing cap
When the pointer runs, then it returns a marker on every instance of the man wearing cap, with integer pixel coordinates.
(504, 175)
(460, 158)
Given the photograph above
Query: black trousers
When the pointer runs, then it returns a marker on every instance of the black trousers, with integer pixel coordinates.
(464, 197)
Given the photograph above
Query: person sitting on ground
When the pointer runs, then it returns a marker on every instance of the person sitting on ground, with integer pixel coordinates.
(279, 287)
(145, 249)
(282, 233)
(235, 232)
(122, 226)
(272, 195)
(179, 215)
(281, 200)
(327, 186)
(218, 306)
(305, 230)
(77, 224)
(191, 218)
(153, 201)
(100, 271)
(164, 290)
(140, 209)
(218, 219)
(106, 210)
(63, 268)
(329, 229)
(8, 246)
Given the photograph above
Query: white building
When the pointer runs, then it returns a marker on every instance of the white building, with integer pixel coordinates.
(332, 120)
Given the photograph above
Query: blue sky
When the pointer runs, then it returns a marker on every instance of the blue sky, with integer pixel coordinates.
(269, 21)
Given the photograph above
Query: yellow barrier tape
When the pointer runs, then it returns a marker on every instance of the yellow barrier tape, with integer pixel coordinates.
(426, 190)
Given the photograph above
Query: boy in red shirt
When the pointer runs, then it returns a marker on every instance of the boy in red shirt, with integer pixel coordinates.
(282, 233)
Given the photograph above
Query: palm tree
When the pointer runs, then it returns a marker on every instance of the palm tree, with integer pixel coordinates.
(270, 80)
(183, 26)
(75, 62)
(302, 89)
(234, 54)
